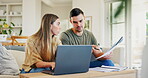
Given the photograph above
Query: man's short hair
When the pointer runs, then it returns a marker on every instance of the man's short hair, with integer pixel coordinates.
(76, 12)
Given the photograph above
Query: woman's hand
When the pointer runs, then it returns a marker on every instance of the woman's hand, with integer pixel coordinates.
(52, 64)
(45, 64)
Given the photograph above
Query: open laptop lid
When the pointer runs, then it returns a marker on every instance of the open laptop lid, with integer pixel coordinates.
(72, 59)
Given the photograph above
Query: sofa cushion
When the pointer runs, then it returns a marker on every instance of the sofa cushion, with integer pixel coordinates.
(9, 76)
(19, 56)
(19, 48)
(8, 64)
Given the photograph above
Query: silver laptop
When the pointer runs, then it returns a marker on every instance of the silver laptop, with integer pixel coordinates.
(71, 59)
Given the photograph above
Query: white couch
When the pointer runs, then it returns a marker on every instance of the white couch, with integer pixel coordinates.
(118, 55)
(20, 55)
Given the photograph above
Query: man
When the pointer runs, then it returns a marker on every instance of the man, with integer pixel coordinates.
(79, 36)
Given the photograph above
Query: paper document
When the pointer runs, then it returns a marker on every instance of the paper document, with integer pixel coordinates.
(112, 48)
(108, 68)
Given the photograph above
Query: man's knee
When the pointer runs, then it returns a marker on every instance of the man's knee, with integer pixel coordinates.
(108, 63)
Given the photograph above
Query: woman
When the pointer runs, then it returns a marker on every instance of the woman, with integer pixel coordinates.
(41, 47)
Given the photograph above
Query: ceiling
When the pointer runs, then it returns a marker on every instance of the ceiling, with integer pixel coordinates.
(51, 3)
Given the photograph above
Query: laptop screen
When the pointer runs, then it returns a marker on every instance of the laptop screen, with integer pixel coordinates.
(72, 59)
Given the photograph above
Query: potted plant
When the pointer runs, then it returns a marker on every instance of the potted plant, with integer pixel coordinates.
(6, 28)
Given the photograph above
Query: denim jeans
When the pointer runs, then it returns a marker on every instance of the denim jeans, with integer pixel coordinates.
(34, 70)
(99, 63)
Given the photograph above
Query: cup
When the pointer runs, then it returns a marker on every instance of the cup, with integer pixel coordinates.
(11, 13)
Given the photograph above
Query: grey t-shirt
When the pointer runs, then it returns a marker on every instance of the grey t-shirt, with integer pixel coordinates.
(70, 38)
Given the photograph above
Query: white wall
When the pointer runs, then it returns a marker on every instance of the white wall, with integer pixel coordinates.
(144, 62)
(145, 51)
(139, 9)
(31, 16)
(95, 9)
(138, 22)
(61, 11)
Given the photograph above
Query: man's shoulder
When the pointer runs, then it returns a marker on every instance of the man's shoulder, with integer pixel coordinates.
(87, 32)
(69, 31)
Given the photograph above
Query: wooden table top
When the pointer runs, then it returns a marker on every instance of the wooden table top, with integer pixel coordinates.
(89, 74)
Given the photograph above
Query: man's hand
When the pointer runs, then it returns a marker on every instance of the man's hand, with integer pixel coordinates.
(105, 57)
(96, 51)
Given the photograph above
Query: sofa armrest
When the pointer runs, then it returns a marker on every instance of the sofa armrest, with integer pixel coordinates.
(118, 55)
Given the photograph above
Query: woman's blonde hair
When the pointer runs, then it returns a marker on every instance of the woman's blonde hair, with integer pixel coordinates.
(44, 37)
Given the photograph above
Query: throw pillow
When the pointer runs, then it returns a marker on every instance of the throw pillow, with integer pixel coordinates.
(8, 64)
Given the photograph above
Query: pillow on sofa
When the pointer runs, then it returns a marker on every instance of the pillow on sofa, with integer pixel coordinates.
(8, 64)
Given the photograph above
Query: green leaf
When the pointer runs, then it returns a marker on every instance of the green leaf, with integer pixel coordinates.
(12, 23)
(4, 32)
(146, 15)
(4, 19)
(20, 32)
(1, 26)
(9, 31)
(4, 23)
(119, 9)
(10, 27)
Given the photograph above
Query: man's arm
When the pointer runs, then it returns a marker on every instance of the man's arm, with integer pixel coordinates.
(93, 39)
(96, 49)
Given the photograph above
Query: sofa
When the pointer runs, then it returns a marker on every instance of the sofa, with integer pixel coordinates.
(20, 55)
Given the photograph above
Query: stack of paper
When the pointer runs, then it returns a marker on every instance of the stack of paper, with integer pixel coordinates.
(108, 68)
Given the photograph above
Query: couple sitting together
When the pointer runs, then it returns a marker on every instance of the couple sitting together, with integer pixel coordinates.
(41, 46)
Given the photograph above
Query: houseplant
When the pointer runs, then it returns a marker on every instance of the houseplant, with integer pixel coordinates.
(6, 28)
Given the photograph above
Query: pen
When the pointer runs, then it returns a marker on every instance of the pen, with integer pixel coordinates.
(99, 48)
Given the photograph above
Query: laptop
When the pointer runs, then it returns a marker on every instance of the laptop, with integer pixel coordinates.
(71, 59)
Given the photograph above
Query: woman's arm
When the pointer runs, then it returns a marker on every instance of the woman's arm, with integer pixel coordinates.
(45, 64)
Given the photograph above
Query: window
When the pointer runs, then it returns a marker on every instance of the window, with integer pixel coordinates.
(131, 25)
(116, 25)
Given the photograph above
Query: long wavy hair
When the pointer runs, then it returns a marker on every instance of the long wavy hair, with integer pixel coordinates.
(44, 37)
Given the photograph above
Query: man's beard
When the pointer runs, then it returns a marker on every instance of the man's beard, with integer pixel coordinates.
(79, 30)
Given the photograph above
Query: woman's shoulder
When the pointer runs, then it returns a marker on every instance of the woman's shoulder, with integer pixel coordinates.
(57, 40)
(31, 39)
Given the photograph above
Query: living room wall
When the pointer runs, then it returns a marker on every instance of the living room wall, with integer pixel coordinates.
(61, 11)
(95, 9)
